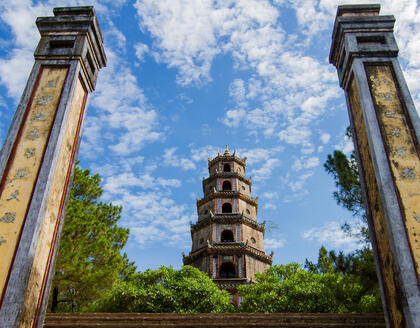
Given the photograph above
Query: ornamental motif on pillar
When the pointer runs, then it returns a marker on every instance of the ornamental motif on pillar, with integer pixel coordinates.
(227, 240)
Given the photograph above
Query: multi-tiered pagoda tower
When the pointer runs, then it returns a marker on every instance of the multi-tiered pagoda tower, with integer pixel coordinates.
(227, 240)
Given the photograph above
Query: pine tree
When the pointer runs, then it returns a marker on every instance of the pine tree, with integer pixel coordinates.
(89, 259)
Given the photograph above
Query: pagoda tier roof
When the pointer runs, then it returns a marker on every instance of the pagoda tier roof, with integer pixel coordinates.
(227, 194)
(227, 175)
(219, 157)
(228, 219)
(228, 249)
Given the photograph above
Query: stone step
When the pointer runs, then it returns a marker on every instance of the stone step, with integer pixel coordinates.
(149, 320)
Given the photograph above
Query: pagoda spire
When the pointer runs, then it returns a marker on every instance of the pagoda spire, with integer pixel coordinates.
(226, 153)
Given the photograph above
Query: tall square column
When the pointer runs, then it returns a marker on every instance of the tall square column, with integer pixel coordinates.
(38, 157)
(386, 132)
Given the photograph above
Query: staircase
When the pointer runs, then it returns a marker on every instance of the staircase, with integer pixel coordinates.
(243, 320)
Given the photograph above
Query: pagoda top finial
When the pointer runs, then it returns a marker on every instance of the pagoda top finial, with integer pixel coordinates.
(226, 151)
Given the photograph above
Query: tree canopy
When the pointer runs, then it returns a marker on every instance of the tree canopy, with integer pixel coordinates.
(359, 264)
(187, 290)
(290, 288)
(89, 259)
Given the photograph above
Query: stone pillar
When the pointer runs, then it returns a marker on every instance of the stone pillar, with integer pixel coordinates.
(386, 131)
(37, 160)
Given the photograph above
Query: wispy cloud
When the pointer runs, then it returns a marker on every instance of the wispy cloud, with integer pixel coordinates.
(271, 243)
(331, 235)
(171, 159)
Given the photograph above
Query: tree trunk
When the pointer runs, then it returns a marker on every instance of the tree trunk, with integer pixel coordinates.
(54, 302)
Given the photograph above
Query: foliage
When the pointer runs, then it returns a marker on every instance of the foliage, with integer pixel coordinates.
(187, 290)
(359, 264)
(346, 176)
(290, 288)
(89, 259)
(349, 191)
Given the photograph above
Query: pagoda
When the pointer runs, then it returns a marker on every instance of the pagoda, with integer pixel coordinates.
(227, 240)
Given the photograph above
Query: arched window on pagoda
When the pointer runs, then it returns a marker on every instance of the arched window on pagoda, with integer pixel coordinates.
(227, 186)
(227, 208)
(227, 236)
(226, 168)
(227, 270)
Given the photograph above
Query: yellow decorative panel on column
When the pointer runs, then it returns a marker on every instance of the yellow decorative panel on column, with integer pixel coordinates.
(375, 205)
(53, 212)
(401, 151)
(22, 169)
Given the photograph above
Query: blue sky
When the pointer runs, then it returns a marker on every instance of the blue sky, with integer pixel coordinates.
(185, 78)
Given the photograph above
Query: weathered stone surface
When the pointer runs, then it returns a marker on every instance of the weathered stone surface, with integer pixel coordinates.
(37, 160)
(245, 320)
(386, 130)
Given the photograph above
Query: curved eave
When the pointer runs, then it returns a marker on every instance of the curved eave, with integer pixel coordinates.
(228, 219)
(228, 194)
(219, 249)
(227, 158)
(227, 175)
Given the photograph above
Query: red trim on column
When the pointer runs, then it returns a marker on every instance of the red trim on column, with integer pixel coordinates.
(63, 196)
(12, 153)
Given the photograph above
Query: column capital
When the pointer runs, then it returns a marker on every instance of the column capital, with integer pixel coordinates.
(73, 33)
(359, 31)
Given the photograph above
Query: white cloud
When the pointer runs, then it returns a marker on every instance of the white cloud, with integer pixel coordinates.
(269, 195)
(271, 243)
(315, 16)
(170, 159)
(122, 104)
(264, 172)
(120, 182)
(325, 137)
(175, 233)
(189, 36)
(237, 92)
(305, 163)
(122, 111)
(184, 32)
(257, 155)
(292, 89)
(297, 185)
(155, 216)
(141, 50)
(345, 145)
(295, 135)
(269, 206)
(234, 117)
(203, 153)
(331, 235)
(15, 66)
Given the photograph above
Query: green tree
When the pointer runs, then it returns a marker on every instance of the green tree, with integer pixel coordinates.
(187, 290)
(349, 191)
(360, 265)
(346, 176)
(325, 263)
(290, 288)
(89, 259)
